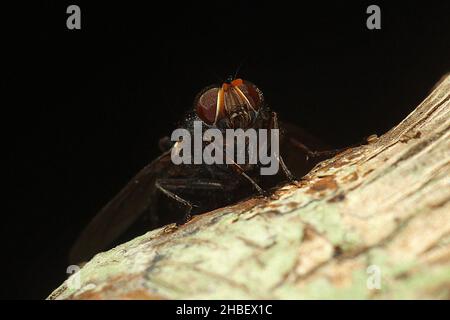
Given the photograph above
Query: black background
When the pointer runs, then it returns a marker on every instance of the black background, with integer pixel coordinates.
(88, 106)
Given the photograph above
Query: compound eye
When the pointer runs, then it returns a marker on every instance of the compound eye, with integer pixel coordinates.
(252, 93)
(206, 105)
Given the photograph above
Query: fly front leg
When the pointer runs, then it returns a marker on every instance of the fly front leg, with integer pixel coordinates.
(287, 172)
(239, 170)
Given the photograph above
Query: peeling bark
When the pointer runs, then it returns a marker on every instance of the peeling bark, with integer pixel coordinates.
(381, 209)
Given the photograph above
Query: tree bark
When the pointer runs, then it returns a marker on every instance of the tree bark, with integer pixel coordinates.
(372, 222)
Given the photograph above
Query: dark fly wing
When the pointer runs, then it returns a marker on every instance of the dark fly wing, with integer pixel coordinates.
(137, 197)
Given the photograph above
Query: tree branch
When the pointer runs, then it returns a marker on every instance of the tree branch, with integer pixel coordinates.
(376, 212)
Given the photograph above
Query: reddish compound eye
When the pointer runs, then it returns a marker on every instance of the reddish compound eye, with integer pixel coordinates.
(214, 103)
(209, 104)
(252, 93)
(206, 105)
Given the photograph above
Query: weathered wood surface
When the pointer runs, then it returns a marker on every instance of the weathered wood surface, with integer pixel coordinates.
(379, 211)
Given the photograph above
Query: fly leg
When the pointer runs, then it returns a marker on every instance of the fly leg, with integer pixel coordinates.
(164, 188)
(315, 154)
(287, 172)
(238, 169)
(170, 186)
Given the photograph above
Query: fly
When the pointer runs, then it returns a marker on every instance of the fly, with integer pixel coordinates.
(180, 191)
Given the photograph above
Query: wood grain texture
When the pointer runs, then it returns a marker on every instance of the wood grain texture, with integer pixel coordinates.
(383, 206)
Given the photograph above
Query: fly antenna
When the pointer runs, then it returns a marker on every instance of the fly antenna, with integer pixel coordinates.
(213, 73)
(240, 66)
